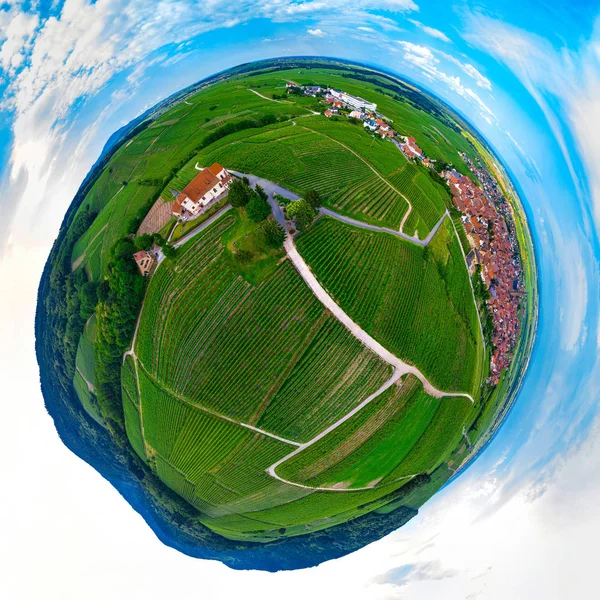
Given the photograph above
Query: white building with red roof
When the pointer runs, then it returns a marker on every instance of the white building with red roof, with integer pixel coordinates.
(209, 185)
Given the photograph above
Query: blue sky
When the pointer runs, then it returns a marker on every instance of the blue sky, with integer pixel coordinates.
(527, 75)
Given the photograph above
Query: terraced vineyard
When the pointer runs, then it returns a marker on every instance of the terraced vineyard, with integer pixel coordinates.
(383, 442)
(200, 308)
(429, 199)
(419, 311)
(85, 360)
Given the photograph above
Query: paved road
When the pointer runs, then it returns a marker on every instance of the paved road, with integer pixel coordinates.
(201, 227)
(408, 238)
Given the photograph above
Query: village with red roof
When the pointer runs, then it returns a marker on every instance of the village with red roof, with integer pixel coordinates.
(488, 222)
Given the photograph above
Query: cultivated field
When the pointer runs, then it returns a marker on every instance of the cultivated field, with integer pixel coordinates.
(233, 376)
(160, 214)
(421, 309)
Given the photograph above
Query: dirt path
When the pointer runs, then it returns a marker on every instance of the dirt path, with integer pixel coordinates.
(211, 412)
(401, 368)
(90, 386)
(267, 98)
(79, 259)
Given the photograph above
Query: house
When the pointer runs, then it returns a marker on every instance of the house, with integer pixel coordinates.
(385, 133)
(370, 124)
(337, 104)
(312, 90)
(291, 84)
(355, 114)
(328, 113)
(382, 124)
(209, 185)
(410, 148)
(145, 261)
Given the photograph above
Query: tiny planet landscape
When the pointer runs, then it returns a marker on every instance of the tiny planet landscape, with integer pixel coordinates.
(299, 298)
(287, 305)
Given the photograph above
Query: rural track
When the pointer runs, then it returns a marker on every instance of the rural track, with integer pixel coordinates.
(401, 367)
(269, 99)
(90, 386)
(404, 236)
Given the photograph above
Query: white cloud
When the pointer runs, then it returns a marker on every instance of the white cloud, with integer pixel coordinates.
(316, 32)
(16, 33)
(436, 33)
(471, 71)
(423, 58)
(567, 76)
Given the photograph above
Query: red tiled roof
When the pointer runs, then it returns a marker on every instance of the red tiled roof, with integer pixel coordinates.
(201, 184)
(215, 169)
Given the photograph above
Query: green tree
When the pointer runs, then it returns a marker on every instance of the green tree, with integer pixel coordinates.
(302, 213)
(89, 298)
(243, 256)
(158, 239)
(313, 198)
(169, 251)
(259, 190)
(143, 242)
(274, 234)
(258, 208)
(239, 193)
(118, 309)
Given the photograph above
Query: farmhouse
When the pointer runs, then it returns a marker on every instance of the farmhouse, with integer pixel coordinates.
(208, 186)
(312, 90)
(356, 114)
(145, 261)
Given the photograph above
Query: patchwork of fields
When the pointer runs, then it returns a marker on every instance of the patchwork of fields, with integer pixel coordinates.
(234, 376)
(361, 176)
(236, 365)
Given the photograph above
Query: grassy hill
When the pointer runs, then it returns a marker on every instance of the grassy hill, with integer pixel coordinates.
(236, 364)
